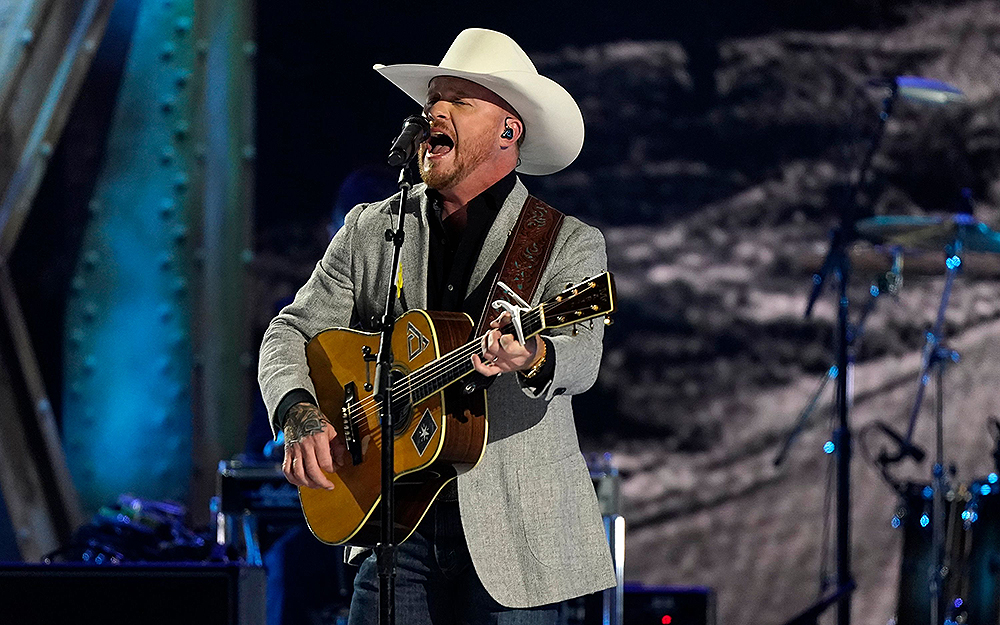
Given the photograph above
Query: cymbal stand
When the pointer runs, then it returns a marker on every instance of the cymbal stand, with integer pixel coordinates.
(936, 355)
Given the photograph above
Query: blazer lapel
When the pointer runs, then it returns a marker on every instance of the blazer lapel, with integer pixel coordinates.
(415, 250)
(496, 238)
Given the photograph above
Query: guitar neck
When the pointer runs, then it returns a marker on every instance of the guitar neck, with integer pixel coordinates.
(435, 376)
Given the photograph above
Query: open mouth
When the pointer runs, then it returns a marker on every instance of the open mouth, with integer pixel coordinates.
(440, 144)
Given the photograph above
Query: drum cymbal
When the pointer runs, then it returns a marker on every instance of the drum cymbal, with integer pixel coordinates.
(930, 232)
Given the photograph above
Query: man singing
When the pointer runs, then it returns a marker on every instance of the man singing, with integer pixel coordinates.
(521, 531)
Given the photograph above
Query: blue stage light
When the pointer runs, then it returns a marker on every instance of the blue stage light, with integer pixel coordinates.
(925, 520)
(953, 263)
(958, 602)
(874, 291)
(992, 478)
(985, 489)
(966, 515)
(928, 492)
(829, 447)
(895, 522)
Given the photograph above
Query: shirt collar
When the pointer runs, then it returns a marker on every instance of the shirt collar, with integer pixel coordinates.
(494, 197)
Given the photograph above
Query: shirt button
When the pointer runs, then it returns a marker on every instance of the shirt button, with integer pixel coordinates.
(451, 288)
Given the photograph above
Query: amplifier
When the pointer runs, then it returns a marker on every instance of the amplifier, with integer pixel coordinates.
(667, 605)
(207, 594)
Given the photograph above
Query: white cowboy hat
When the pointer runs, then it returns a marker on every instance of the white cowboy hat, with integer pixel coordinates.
(553, 123)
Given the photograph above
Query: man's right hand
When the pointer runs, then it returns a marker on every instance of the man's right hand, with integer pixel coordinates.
(311, 447)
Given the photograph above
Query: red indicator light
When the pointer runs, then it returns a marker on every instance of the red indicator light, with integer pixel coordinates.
(666, 619)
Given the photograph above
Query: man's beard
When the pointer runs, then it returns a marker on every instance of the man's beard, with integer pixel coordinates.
(474, 152)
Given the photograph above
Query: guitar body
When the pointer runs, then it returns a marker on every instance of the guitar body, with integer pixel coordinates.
(437, 439)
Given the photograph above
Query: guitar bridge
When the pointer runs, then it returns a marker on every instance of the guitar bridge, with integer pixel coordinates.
(350, 428)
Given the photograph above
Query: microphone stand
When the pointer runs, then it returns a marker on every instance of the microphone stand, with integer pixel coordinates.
(385, 551)
(838, 261)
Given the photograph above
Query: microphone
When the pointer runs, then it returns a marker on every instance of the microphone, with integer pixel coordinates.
(416, 130)
(905, 448)
(919, 89)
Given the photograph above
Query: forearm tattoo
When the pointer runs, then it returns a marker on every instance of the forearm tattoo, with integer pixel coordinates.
(303, 420)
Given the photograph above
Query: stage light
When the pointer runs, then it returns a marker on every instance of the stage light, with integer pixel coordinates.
(925, 520)
(895, 522)
(829, 447)
(992, 478)
(985, 489)
(666, 620)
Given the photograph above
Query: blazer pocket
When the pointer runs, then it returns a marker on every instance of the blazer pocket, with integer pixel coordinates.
(555, 498)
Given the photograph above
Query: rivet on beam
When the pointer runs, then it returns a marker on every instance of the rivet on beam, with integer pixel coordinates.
(45, 149)
(94, 206)
(166, 261)
(250, 49)
(181, 129)
(76, 336)
(182, 25)
(167, 51)
(180, 234)
(180, 285)
(167, 105)
(181, 183)
(182, 78)
(89, 311)
(90, 258)
(77, 284)
(167, 156)
(27, 36)
(89, 45)
(167, 206)
(89, 363)
(246, 256)
(249, 152)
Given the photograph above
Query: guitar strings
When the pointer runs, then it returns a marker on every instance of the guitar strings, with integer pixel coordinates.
(418, 377)
(357, 411)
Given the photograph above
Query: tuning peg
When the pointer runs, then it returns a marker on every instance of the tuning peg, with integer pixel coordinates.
(608, 321)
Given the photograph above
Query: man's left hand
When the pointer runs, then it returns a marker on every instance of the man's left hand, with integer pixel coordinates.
(502, 352)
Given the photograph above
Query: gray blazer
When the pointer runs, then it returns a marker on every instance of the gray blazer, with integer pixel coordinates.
(528, 509)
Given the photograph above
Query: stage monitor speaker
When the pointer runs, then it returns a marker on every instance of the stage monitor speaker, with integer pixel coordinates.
(133, 594)
(666, 605)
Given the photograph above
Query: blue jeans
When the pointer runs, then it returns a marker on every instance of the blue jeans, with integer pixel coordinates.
(436, 583)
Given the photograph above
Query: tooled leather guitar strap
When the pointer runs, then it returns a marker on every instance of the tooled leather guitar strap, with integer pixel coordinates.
(524, 257)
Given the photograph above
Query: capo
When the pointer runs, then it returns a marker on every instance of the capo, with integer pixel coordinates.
(512, 310)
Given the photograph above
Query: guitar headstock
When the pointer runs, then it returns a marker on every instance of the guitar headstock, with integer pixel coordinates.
(579, 302)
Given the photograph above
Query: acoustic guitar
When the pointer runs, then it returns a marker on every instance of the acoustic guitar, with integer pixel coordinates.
(441, 423)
